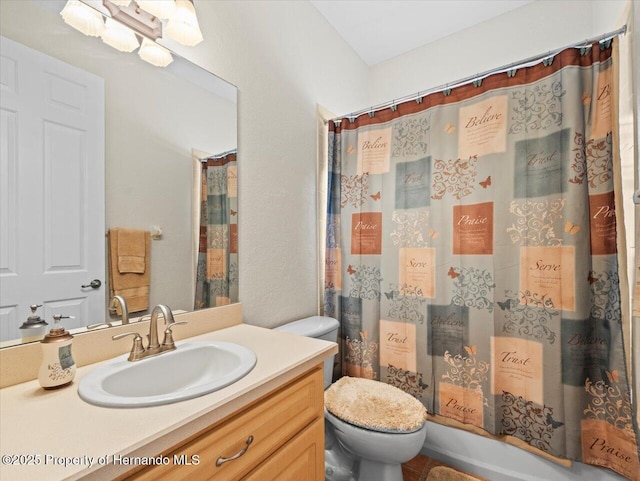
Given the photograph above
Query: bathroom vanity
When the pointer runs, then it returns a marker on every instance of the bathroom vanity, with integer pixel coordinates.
(268, 425)
(278, 437)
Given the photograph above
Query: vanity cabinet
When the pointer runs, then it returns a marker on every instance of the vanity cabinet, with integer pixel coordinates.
(280, 436)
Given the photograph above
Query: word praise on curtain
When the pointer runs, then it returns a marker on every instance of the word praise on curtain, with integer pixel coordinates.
(471, 256)
(217, 265)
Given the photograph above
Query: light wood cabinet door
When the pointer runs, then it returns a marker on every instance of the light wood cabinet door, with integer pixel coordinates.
(301, 459)
(249, 437)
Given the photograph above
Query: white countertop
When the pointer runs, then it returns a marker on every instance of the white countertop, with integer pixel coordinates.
(54, 427)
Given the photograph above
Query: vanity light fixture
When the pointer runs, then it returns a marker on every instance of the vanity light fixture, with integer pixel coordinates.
(150, 19)
(83, 18)
(119, 37)
(183, 26)
(154, 54)
(160, 8)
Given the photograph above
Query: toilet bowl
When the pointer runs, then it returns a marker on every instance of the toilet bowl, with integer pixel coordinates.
(356, 452)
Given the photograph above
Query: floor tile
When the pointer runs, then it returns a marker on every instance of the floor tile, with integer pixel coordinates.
(417, 464)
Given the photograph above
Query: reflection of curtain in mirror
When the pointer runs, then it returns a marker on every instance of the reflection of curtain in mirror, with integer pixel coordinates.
(217, 269)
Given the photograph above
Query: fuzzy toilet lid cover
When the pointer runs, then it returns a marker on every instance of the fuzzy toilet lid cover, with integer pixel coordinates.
(374, 405)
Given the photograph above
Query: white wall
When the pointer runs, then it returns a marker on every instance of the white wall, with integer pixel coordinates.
(537, 27)
(284, 59)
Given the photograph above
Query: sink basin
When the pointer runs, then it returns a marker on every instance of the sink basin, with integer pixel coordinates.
(193, 369)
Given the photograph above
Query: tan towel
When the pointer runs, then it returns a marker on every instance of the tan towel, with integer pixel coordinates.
(132, 286)
(131, 251)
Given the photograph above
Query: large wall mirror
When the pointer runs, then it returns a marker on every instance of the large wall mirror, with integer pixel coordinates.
(152, 124)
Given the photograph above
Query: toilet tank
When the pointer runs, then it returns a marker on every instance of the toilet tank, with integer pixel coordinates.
(318, 327)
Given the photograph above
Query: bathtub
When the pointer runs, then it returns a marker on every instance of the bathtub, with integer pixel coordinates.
(498, 461)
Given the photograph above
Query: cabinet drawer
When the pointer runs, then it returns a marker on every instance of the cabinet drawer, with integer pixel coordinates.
(301, 459)
(271, 422)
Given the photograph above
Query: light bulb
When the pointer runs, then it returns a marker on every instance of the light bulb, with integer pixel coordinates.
(154, 54)
(159, 8)
(183, 27)
(83, 18)
(119, 37)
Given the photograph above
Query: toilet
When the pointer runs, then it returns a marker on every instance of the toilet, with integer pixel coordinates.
(363, 448)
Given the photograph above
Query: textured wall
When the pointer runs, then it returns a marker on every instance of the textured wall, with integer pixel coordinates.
(284, 59)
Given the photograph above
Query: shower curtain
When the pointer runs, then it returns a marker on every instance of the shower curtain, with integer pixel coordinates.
(217, 264)
(471, 256)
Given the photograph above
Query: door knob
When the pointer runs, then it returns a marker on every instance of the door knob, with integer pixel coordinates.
(94, 284)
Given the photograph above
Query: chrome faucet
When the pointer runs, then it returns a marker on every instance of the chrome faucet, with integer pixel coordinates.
(154, 348)
(115, 300)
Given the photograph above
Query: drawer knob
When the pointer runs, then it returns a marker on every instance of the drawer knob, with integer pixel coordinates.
(221, 460)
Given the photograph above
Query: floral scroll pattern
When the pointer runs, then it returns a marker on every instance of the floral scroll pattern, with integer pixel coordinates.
(233, 274)
(218, 236)
(529, 315)
(592, 160)
(354, 189)
(537, 107)
(406, 303)
(472, 288)
(466, 371)
(330, 300)
(362, 353)
(410, 382)
(216, 181)
(333, 231)
(610, 403)
(456, 177)
(410, 136)
(605, 295)
(218, 288)
(412, 228)
(524, 420)
(56, 372)
(366, 283)
(535, 220)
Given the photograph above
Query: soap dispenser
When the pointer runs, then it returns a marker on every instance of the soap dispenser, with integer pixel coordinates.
(33, 329)
(58, 367)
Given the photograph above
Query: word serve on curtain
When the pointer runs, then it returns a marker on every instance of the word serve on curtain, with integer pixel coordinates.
(471, 256)
(217, 264)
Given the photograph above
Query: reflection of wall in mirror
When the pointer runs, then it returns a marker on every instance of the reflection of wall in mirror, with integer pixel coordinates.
(153, 120)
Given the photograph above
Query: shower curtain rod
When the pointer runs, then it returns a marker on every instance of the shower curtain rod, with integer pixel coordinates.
(218, 156)
(506, 68)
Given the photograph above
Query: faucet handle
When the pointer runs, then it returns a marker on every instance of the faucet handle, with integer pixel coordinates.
(167, 342)
(137, 348)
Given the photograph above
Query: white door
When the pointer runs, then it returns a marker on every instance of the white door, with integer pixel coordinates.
(52, 227)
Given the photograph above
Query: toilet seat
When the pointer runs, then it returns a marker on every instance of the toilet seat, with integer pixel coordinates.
(374, 405)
